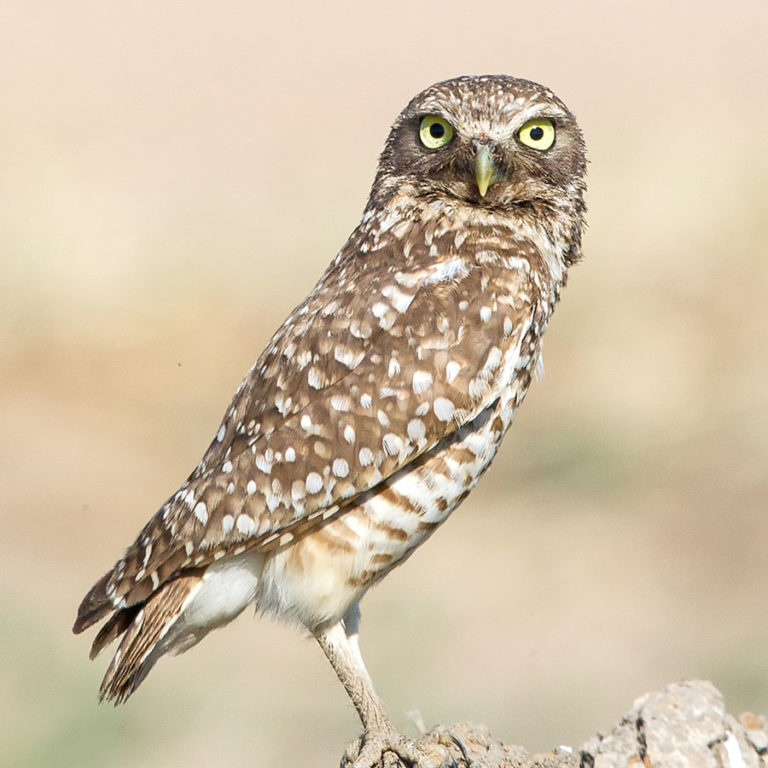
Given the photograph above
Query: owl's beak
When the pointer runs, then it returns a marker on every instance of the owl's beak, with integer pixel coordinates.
(486, 172)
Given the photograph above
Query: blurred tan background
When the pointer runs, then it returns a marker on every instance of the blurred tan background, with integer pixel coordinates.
(173, 179)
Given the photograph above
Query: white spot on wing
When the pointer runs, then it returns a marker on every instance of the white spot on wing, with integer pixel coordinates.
(452, 369)
(392, 444)
(493, 359)
(449, 270)
(340, 468)
(347, 356)
(444, 409)
(315, 379)
(340, 402)
(379, 309)
(201, 511)
(401, 301)
(263, 463)
(416, 430)
(314, 483)
(422, 381)
(245, 525)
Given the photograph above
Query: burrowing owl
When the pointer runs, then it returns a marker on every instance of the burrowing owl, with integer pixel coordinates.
(379, 402)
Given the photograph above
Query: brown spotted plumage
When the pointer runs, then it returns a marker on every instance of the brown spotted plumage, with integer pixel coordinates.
(379, 402)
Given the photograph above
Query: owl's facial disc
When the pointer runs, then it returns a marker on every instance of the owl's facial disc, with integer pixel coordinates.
(492, 142)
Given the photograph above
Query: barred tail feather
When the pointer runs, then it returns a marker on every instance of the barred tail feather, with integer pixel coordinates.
(146, 636)
(117, 624)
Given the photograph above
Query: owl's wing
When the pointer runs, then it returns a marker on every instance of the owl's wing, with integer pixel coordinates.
(382, 361)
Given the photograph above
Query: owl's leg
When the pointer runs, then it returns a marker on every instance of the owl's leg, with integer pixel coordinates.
(340, 644)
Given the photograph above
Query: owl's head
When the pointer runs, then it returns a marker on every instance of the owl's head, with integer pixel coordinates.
(492, 141)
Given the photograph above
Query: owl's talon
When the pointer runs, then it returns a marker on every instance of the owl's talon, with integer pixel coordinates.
(372, 749)
(443, 736)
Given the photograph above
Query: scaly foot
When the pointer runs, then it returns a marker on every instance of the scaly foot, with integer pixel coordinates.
(389, 749)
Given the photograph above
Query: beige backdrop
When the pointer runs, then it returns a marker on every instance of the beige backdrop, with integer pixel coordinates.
(174, 177)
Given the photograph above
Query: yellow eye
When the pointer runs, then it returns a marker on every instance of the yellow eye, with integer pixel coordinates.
(538, 133)
(435, 132)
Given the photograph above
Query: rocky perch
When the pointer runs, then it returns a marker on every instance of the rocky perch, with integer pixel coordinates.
(683, 726)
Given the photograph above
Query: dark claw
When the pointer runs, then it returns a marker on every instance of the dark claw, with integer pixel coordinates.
(460, 744)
